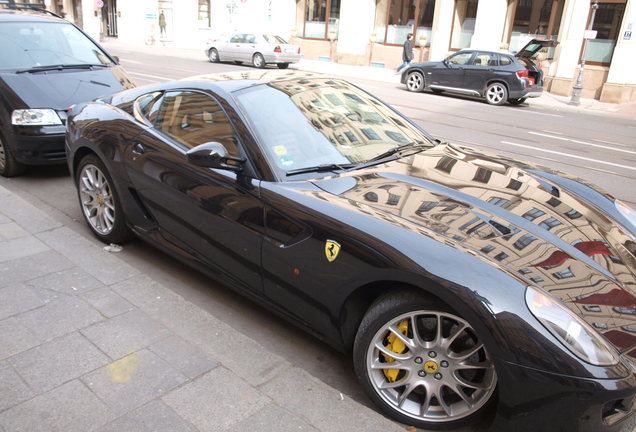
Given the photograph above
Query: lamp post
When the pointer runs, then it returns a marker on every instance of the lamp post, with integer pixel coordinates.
(576, 90)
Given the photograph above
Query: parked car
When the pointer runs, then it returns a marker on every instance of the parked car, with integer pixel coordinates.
(463, 283)
(496, 76)
(47, 64)
(256, 48)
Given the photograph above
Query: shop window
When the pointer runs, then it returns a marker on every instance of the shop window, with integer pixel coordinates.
(463, 23)
(607, 23)
(394, 19)
(205, 20)
(321, 19)
(530, 19)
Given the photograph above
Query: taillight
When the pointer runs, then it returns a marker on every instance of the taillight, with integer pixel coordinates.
(523, 73)
(277, 49)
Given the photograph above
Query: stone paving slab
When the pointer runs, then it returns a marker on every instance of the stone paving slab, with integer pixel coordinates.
(88, 343)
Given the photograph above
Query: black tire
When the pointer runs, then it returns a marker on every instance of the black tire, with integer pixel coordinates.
(282, 65)
(429, 368)
(415, 81)
(516, 101)
(258, 60)
(9, 167)
(238, 62)
(496, 93)
(213, 55)
(99, 202)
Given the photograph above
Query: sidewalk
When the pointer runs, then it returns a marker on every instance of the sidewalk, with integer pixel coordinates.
(547, 101)
(88, 343)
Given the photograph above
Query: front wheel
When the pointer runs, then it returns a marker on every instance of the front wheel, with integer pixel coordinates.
(415, 82)
(9, 167)
(423, 364)
(496, 94)
(99, 202)
(516, 101)
(258, 60)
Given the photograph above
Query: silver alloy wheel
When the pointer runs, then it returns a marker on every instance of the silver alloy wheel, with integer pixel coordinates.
(213, 55)
(495, 94)
(441, 372)
(258, 60)
(3, 156)
(414, 82)
(96, 199)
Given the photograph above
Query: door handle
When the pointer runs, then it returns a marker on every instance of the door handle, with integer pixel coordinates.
(139, 149)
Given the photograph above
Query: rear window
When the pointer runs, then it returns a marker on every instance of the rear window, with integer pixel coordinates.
(505, 61)
(25, 45)
(274, 39)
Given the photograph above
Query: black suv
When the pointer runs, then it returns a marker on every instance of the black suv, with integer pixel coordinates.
(47, 64)
(496, 76)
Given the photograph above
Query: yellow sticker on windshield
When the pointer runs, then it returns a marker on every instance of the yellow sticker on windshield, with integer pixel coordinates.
(280, 150)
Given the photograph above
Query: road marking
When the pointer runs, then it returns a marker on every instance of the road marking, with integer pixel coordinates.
(150, 76)
(540, 113)
(570, 155)
(582, 142)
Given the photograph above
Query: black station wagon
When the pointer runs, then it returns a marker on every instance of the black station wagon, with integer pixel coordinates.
(496, 76)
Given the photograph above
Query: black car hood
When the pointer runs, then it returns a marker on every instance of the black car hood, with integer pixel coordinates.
(509, 214)
(60, 89)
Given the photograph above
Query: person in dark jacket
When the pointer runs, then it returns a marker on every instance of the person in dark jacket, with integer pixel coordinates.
(407, 52)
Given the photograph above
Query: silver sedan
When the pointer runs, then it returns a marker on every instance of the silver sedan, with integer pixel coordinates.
(259, 49)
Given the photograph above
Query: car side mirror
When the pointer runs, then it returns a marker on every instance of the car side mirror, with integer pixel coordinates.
(214, 155)
(446, 62)
(116, 58)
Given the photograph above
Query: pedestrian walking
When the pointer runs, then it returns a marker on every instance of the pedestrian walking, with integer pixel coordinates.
(407, 53)
(162, 25)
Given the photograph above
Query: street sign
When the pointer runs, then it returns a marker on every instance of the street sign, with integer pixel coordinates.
(627, 35)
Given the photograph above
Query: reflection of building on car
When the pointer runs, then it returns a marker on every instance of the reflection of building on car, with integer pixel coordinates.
(467, 286)
(46, 65)
(258, 49)
(498, 77)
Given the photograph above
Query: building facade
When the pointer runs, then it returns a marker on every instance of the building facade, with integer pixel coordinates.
(371, 32)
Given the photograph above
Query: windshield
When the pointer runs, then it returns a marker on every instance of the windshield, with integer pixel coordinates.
(27, 45)
(321, 121)
(274, 39)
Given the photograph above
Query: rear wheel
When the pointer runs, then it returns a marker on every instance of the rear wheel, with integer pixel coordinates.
(496, 94)
(100, 202)
(213, 55)
(9, 167)
(415, 81)
(518, 101)
(282, 65)
(423, 364)
(258, 60)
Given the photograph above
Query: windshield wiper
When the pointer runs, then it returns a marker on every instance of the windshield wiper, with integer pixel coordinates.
(60, 67)
(320, 168)
(395, 150)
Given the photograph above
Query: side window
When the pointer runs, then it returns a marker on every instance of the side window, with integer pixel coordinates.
(505, 60)
(460, 59)
(147, 106)
(250, 38)
(193, 118)
(237, 38)
(485, 59)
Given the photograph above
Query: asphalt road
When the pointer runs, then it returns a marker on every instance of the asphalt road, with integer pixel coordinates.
(599, 148)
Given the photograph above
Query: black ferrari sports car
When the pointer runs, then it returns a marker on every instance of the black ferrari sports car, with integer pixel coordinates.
(470, 288)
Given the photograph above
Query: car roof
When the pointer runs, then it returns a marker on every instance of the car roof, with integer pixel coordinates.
(28, 14)
(232, 81)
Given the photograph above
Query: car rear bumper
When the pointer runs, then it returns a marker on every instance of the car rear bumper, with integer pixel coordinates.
(282, 58)
(531, 92)
(532, 400)
(37, 145)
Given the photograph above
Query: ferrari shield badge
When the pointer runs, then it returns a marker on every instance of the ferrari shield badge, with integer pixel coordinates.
(332, 249)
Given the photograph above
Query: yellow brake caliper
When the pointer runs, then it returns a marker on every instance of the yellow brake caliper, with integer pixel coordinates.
(396, 345)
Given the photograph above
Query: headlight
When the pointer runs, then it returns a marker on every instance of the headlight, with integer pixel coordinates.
(578, 336)
(35, 117)
(626, 211)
